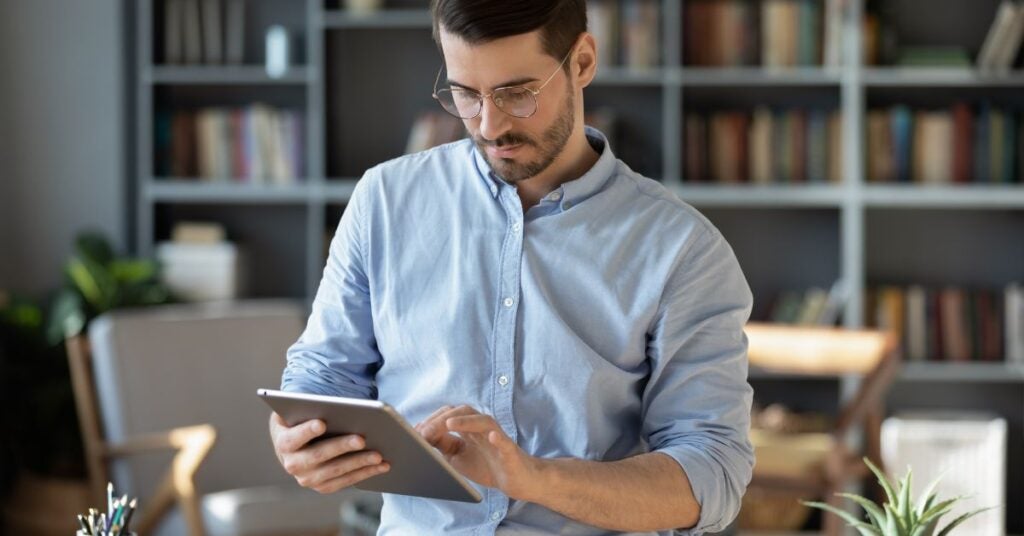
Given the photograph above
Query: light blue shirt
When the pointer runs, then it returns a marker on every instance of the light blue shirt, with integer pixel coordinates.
(605, 322)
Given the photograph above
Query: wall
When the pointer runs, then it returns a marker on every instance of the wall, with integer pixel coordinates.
(62, 133)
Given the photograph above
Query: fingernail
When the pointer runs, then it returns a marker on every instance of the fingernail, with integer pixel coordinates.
(385, 467)
(318, 427)
(355, 442)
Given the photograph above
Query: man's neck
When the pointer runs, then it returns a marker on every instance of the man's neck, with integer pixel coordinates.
(576, 159)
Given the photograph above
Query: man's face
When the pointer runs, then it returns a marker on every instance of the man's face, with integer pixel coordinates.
(516, 148)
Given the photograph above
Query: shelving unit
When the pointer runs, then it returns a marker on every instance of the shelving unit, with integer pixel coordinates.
(362, 79)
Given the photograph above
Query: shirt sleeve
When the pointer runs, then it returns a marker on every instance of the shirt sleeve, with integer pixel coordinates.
(337, 352)
(697, 400)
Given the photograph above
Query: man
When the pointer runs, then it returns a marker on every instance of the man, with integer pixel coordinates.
(566, 332)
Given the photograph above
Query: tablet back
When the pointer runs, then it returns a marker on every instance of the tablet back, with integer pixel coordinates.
(416, 467)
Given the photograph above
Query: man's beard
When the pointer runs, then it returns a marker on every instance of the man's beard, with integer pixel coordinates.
(552, 143)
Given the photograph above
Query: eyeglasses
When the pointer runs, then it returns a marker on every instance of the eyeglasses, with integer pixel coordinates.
(517, 101)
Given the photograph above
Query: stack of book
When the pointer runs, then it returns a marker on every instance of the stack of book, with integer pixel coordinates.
(951, 323)
(768, 146)
(257, 144)
(727, 33)
(627, 32)
(204, 31)
(958, 145)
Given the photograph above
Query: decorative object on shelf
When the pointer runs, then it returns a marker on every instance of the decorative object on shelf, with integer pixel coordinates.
(899, 516)
(199, 265)
(967, 449)
(813, 307)
(278, 51)
(363, 7)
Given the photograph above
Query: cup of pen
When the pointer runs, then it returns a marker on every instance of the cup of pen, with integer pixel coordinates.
(114, 522)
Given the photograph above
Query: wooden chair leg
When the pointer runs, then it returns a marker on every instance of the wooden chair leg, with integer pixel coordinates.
(833, 525)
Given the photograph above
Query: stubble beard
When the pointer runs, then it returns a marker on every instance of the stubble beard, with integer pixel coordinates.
(551, 145)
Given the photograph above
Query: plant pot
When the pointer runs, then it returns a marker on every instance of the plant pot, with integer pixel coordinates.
(45, 506)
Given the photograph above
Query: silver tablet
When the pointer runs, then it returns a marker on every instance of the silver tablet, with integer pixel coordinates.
(416, 467)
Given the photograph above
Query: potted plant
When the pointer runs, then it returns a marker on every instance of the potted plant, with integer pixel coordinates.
(900, 516)
(41, 447)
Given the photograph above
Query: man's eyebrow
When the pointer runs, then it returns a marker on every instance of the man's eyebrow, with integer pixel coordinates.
(514, 82)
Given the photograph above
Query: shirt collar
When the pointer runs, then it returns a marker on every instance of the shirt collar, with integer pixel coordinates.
(570, 193)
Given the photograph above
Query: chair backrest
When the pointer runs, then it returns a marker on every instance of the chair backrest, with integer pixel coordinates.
(164, 367)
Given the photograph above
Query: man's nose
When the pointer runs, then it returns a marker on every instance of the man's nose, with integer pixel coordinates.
(493, 121)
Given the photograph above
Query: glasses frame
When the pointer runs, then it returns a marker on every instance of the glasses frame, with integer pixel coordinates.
(482, 96)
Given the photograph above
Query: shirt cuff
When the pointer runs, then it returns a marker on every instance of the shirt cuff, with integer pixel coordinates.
(712, 487)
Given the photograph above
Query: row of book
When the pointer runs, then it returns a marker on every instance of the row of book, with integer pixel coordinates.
(772, 33)
(963, 144)
(255, 144)
(767, 146)
(204, 31)
(627, 32)
(951, 323)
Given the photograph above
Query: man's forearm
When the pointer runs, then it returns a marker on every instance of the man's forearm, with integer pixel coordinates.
(642, 493)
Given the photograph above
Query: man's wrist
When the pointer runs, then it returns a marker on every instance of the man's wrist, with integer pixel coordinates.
(539, 481)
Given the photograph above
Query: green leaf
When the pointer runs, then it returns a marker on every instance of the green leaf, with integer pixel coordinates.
(882, 480)
(939, 509)
(862, 527)
(905, 507)
(93, 246)
(131, 271)
(893, 524)
(928, 496)
(95, 283)
(952, 525)
(67, 316)
(925, 528)
(872, 509)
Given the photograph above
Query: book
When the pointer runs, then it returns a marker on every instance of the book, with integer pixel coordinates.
(234, 32)
(213, 49)
(192, 32)
(997, 36)
(933, 144)
(640, 35)
(1013, 302)
(963, 128)
(760, 144)
(833, 46)
(1010, 45)
(916, 344)
(173, 31)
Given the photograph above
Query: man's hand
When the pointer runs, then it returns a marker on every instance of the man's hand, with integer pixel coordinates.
(326, 466)
(481, 450)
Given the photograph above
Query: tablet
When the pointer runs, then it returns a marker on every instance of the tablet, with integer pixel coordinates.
(417, 468)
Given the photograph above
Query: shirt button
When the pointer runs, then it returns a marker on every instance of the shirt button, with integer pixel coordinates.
(503, 380)
(567, 205)
(555, 196)
(508, 302)
(496, 516)
(516, 226)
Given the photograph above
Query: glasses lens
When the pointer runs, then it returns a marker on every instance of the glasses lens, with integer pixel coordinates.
(516, 101)
(458, 102)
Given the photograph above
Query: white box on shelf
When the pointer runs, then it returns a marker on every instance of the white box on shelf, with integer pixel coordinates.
(202, 272)
(968, 451)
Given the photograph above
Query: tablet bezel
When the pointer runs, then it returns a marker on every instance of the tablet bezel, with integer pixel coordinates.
(289, 405)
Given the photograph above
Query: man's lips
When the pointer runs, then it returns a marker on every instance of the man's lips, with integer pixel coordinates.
(506, 151)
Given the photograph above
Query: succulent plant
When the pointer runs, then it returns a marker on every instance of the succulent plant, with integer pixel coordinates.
(899, 516)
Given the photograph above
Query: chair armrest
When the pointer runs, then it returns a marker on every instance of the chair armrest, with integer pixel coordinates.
(193, 444)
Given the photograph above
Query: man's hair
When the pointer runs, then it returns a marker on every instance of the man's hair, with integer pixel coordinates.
(480, 21)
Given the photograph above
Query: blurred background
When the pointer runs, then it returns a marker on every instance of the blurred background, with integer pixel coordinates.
(171, 172)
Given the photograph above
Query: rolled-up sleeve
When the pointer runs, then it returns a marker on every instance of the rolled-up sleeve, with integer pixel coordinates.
(697, 401)
(337, 352)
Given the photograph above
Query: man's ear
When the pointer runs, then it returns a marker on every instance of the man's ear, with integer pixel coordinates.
(584, 62)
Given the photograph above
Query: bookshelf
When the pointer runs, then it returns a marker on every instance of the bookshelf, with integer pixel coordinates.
(361, 80)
